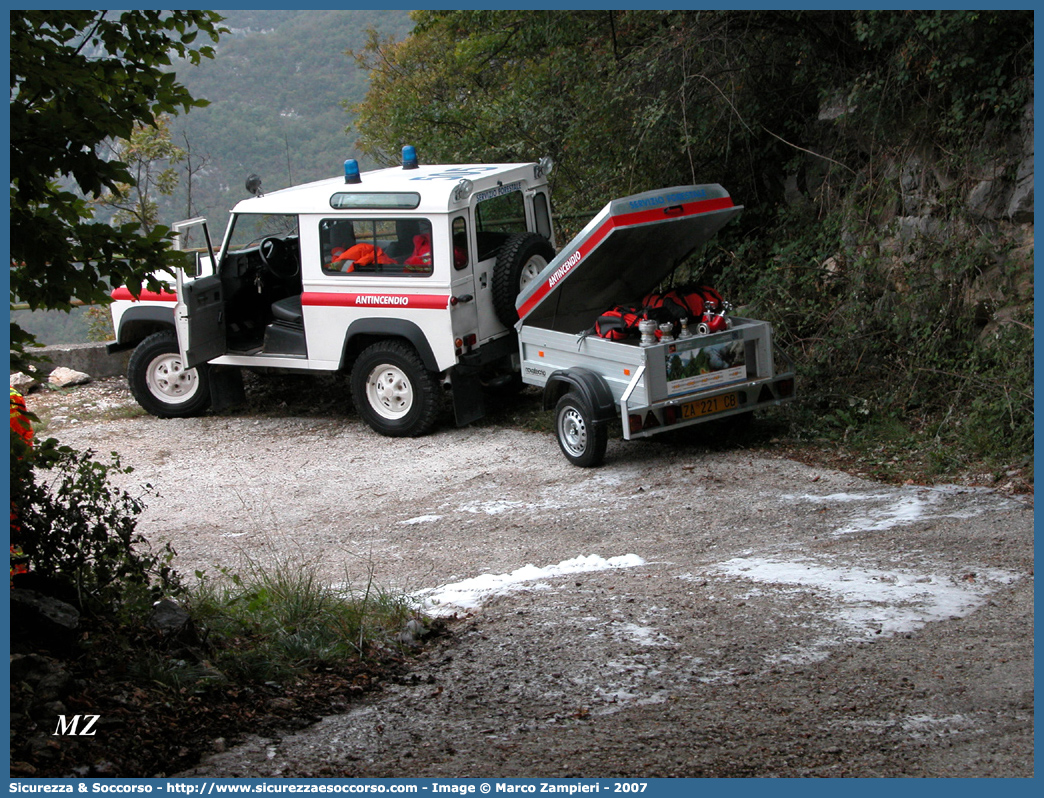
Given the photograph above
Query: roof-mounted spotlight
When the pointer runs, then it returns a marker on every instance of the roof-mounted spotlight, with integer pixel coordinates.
(463, 190)
(543, 167)
(253, 185)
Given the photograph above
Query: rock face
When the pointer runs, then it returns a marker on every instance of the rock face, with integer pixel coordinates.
(1020, 205)
(939, 220)
(993, 184)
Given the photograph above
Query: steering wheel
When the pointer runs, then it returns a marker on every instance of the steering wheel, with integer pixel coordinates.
(277, 258)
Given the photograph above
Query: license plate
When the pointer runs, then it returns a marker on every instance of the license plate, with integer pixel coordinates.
(705, 407)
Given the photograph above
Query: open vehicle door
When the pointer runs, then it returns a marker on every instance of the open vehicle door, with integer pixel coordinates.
(199, 314)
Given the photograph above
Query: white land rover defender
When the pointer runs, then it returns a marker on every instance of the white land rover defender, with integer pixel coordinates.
(406, 278)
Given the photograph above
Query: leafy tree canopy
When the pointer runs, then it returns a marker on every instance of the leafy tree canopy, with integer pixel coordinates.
(78, 79)
(622, 100)
(631, 100)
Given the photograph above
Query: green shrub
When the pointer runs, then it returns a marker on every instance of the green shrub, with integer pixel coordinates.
(78, 531)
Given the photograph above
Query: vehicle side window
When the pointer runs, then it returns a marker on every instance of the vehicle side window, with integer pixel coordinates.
(543, 215)
(460, 243)
(496, 220)
(368, 246)
(246, 249)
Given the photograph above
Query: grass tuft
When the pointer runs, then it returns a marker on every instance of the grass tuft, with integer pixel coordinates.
(280, 619)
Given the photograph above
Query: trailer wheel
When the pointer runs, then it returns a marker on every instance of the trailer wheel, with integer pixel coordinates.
(521, 259)
(161, 384)
(393, 392)
(582, 442)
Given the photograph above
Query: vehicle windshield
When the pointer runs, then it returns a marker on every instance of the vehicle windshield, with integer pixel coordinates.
(249, 229)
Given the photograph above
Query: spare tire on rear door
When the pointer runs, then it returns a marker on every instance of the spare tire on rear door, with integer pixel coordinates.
(521, 259)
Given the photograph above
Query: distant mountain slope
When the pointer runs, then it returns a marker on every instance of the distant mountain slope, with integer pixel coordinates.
(277, 89)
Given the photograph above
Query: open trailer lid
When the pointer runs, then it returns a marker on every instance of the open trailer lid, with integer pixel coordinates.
(623, 254)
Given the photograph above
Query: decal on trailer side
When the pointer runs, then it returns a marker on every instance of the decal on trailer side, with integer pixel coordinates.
(564, 269)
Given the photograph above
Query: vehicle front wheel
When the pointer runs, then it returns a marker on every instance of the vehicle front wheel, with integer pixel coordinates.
(582, 442)
(160, 382)
(393, 392)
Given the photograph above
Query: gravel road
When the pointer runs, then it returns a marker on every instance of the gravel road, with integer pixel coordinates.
(677, 612)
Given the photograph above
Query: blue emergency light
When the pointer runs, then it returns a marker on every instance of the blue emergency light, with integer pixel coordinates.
(409, 157)
(351, 171)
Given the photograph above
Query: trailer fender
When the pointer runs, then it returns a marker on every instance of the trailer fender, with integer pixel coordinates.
(591, 386)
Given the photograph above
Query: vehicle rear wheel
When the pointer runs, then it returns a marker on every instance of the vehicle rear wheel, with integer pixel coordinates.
(393, 392)
(582, 442)
(521, 259)
(160, 382)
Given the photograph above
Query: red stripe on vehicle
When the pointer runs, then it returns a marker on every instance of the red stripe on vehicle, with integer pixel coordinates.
(123, 294)
(375, 300)
(610, 224)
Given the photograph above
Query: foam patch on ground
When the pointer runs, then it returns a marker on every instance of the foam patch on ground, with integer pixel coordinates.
(905, 506)
(868, 603)
(471, 593)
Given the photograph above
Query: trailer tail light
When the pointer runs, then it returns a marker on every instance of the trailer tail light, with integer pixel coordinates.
(470, 339)
(634, 422)
(670, 415)
(785, 388)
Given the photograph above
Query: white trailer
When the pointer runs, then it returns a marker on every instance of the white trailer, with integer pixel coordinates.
(632, 246)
